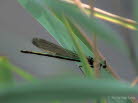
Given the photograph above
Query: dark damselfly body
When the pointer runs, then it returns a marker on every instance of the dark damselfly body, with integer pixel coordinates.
(53, 50)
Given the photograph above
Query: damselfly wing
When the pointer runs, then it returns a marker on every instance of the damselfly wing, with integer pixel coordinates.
(52, 48)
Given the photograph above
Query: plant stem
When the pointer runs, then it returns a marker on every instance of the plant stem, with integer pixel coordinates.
(104, 15)
(99, 55)
(96, 60)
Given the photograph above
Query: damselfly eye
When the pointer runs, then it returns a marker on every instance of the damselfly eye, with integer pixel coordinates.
(104, 65)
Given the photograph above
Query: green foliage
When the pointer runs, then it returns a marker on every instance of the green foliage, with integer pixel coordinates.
(51, 16)
(6, 75)
(7, 69)
(67, 88)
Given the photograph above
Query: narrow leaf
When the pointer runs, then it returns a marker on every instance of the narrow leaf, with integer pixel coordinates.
(65, 89)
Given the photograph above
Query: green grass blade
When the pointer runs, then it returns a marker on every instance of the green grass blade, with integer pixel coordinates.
(6, 69)
(21, 72)
(87, 69)
(127, 23)
(6, 75)
(65, 89)
(104, 15)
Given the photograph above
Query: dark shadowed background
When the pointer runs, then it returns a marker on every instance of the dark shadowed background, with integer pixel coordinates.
(17, 28)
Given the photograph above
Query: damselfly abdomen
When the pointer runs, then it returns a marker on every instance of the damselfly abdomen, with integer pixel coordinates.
(53, 50)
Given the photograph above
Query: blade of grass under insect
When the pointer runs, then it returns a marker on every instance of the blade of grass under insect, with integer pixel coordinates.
(87, 69)
(65, 89)
(6, 75)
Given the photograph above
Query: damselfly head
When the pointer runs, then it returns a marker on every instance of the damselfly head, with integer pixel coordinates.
(91, 61)
(104, 65)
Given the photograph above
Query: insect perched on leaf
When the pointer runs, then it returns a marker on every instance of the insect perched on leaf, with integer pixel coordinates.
(53, 50)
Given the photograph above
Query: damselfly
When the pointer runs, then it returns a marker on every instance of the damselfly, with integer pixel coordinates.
(53, 50)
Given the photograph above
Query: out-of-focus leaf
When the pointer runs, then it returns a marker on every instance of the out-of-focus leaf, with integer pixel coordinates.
(65, 89)
(6, 69)
(6, 75)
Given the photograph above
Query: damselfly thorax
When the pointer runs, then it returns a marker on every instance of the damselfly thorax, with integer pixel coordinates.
(53, 50)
